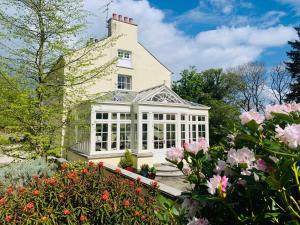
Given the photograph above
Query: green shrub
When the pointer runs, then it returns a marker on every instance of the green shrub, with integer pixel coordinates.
(20, 173)
(91, 195)
(4, 141)
(127, 160)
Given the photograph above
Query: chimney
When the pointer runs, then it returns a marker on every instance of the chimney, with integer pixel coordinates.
(122, 25)
(114, 16)
(125, 19)
(130, 20)
(120, 18)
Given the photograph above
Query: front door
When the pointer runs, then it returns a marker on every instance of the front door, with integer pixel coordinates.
(164, 137)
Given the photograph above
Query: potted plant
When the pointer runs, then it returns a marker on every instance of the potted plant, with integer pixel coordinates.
(152, 172)
(144, 170)
(126, 162)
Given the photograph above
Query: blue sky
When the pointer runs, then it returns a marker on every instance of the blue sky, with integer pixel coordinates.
(208, 33)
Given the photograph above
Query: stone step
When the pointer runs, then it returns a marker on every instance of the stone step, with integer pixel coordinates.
(170, 174)
(164, 168)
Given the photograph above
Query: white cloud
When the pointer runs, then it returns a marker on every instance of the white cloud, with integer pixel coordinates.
(222, 47)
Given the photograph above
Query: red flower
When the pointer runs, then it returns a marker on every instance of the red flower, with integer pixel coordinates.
(138, 179)
(64, 166)
(85, 171)
(2, 201)
(137, 213)
(91, 164)
(29, 206)
(8, 218)
(143, 217)
(118, 171)
(36, 192)
(50, 181)
(154, 184)
(138, 190)
(35, 177)
(126, 203)
(21, 190)
(9, 190)
(105, 196)
(72, 176)
(67, 212)
(100, 165)
(83, 218)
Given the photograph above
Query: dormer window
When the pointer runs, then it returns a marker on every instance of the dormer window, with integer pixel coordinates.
(124, 58)
(124, 82)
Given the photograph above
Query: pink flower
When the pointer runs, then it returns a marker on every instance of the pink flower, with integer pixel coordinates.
(246, 117)
(217, 183)
(200, 221)
(284, 108)
(262, 165)
(186, 170)
(175, 154)
(241, 156)
(290, 135)
(195, 147)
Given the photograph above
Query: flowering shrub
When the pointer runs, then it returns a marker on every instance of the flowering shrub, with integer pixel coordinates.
(255, 179)
(84, 195)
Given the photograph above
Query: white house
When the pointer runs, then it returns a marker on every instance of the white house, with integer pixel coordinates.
(139, 111)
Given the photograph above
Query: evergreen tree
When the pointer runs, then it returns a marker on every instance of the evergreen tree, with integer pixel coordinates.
(293, 66)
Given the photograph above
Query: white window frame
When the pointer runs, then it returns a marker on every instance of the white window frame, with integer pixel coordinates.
(126, 83)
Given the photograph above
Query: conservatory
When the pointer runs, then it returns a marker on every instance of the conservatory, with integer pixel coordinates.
(147, 123)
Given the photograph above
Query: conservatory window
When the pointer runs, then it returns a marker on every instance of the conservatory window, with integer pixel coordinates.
(125, 116)
(101, 136)
(144, 136)
(158, 116)
(171, 135)
(182, 134)
(125, 136)
(101, 116)
(201, 130)
(170, 116)
(145, 116)
(114, 136)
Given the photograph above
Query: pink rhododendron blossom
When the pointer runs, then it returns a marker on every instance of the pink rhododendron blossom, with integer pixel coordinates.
(284, 108)
(246, 117)
(241, 156)
(262, 165)
(217, 183)
(195, 147)
(175, 154)
(290, 135)
(220, 167)
(186, 170)
(200, 221)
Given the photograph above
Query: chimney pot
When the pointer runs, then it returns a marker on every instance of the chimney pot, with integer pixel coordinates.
(125, 19)
(130, 20)
(114, 16)
(120, 17)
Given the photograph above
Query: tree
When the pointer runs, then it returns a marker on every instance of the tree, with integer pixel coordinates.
(216, 89)
(253, 83)
(280, 81)
(38, 40)
(293, 66)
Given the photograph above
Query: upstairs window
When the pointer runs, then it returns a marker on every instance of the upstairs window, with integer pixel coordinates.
(124, 82)
(124, 58)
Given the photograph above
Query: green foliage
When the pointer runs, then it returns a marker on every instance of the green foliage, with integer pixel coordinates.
(20, 173)
(263, 179)
(127, 160)
(90, 195)
(152, 170)
(293, 66)
(4, 140)
(216, 89)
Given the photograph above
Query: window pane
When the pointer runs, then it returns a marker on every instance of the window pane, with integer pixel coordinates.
(124, 82)
(114, 116)
(145, 116)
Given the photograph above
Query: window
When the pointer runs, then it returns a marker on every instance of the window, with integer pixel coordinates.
(124, 58)
(101, 116)
(201, 130)
(125, 116)
(201, 118)
(171, 135)
(145, 116)
(101, 136)
(158, 116)
(158, 136)
(124, 82)
(171, 117)
(114, 116)
(182, 117)
(123, 54)
(125, 136)
(144, 136)
(192, 118)
(193, 132)
(113, 136)
(182, 134)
